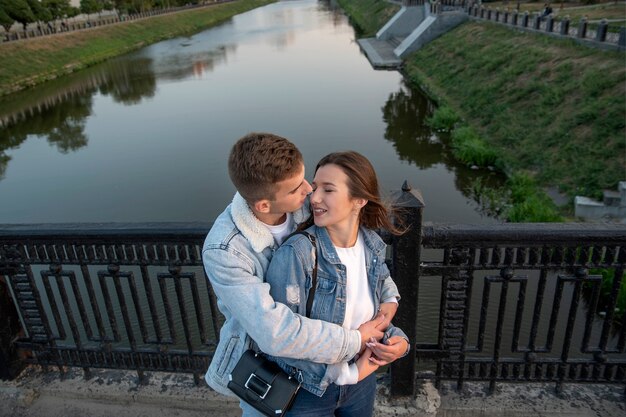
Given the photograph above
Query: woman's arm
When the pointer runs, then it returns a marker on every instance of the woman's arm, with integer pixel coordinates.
(344, 374)
(366, 365)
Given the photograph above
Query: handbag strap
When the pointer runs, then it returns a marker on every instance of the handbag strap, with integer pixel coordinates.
(309, 301)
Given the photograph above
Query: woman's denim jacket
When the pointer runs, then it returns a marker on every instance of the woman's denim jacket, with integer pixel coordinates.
(289, 276)
(236, 253)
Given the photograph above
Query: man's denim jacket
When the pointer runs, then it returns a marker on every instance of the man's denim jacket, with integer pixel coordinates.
(289, 276)
(236, 253)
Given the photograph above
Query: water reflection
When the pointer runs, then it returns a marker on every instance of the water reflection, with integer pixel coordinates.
(59, 110)
(128, 84)
(192, 59)
(63, 126)
(405, 114)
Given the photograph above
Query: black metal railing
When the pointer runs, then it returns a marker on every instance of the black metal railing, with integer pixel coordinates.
(492, 303)
(516, 302)
(112, 296)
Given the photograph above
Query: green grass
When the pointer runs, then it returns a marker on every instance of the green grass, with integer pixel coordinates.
(443, 119)
(551, 108)
(529, 203)
(471, 149)
(369, 15)
(30, 62)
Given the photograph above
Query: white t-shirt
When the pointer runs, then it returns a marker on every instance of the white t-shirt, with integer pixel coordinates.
(281, 231)
(359, 301)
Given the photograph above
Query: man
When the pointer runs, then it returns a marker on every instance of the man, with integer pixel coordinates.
(268, 173)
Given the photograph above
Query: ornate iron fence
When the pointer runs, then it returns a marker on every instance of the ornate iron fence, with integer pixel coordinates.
(514, 302)
(112, 296)
(496, 303)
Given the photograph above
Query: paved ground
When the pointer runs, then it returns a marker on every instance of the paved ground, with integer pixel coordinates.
(116, 393)
(380, 53)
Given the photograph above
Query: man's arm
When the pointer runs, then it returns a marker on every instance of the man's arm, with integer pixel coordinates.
(273, 326)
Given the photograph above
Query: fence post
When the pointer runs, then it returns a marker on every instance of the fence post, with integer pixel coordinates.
(525, 20)
(601, 32)
(406, 263)
(622, 38)
(582, 28)
(514, 18)
(549, 24)
(536, 22)
(565, 26)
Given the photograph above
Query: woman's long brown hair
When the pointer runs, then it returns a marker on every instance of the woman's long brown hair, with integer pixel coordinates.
(363, 183)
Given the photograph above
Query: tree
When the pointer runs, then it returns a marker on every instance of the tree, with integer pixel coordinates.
(72, 11)
(6, 21)
(58, 8)
(90, 6)
(18, 10)
(41, 13)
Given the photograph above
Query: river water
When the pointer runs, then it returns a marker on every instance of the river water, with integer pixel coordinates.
(145, 137)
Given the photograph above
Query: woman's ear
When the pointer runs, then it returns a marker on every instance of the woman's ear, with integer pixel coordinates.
(359, 203)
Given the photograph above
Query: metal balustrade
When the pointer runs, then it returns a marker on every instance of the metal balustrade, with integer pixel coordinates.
(492, 303)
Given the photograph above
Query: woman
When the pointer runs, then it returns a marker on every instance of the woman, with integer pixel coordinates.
(351, 271)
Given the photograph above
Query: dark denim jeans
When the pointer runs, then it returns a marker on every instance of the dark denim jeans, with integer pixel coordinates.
(338, 400)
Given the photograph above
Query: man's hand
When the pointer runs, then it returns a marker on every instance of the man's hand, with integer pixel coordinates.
(373, 329)
(389, 310)
(384, 354)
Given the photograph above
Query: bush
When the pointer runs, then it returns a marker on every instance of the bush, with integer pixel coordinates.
(469, 148)
(529, 203)
(443, 119)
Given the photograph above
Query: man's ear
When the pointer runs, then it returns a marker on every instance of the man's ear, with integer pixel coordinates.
(262, 206)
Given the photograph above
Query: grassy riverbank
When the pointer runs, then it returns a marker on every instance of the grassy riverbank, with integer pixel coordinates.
(369, 15)
(551, 112)
(30, 62)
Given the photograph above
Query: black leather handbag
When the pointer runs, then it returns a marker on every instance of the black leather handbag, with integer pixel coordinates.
(261, 382)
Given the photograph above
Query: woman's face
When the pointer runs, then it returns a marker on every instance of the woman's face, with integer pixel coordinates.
(331, 201)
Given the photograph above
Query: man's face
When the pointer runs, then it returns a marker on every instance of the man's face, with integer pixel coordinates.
(291, 194)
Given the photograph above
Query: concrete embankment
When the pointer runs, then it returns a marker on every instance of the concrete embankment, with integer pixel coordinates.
(118, 393)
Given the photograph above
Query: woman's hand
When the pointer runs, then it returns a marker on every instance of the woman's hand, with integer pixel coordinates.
(384, 354)
(366, 366)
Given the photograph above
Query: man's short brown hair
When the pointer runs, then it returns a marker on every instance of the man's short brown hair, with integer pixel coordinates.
(258, 161)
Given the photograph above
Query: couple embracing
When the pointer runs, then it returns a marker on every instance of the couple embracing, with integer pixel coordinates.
(262, 273)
